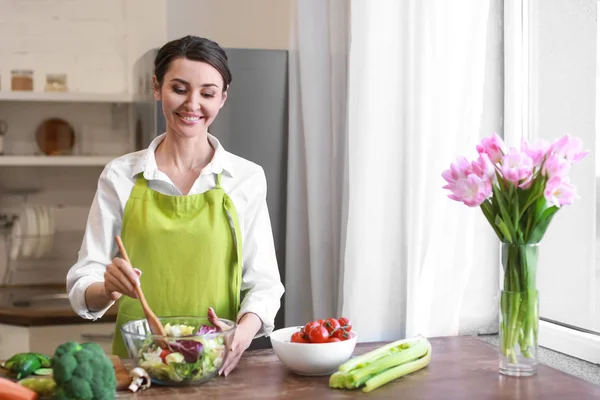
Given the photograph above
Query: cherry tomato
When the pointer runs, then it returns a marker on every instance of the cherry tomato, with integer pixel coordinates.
(309, 326)
(164, 354)
(320, 321)
(318, 335)
(298, 337)
(345, 323)
(333, 339)
(331, 324)
(341, 334)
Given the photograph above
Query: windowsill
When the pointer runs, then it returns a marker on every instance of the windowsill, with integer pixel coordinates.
(571, 365)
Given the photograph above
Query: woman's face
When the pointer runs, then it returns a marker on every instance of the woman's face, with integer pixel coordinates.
(192, 95)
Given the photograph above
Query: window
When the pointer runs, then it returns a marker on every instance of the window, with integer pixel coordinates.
(550, 91)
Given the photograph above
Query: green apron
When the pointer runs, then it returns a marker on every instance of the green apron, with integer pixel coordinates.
(189, 249)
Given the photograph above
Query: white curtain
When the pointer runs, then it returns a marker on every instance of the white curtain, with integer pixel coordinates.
(415, 94)
(317, 158)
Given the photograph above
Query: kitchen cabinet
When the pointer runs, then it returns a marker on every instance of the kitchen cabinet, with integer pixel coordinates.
(103, 130)
(66, 97)
(56, 161)
(44, 339)
(39, 318)
(102, 125)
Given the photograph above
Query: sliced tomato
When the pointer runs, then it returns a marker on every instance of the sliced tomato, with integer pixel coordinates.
(164, 354)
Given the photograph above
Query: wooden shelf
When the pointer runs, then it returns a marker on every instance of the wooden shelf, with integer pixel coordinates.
(66, 97)
(55, 161)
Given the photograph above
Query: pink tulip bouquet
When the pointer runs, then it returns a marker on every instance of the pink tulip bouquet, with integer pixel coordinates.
(519, 192)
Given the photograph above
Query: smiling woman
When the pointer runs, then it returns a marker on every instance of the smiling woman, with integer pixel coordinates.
(192, 82)
(182, 207)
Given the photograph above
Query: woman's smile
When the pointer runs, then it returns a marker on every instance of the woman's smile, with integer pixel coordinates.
(189, 119)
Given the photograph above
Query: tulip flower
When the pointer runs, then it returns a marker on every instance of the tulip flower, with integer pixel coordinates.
(519, 192)
(493, 146)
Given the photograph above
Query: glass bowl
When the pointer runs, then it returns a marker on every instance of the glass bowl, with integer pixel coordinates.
(193, 356)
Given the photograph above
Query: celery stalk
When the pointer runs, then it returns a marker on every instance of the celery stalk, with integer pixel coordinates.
(397, 372)
(414, 352)
(373, 355)
(339, 380)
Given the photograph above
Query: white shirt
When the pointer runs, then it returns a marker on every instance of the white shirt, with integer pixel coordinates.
(242, 180)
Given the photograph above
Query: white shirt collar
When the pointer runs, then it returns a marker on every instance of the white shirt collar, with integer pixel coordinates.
(220, 162)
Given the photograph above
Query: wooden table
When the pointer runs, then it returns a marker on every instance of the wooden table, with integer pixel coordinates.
(462, 367)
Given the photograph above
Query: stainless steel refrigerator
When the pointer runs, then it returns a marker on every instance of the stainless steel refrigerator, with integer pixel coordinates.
(252, 124)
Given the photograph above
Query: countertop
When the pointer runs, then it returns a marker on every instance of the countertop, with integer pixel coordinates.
(41, 305)
(462, 367)
(585, 370)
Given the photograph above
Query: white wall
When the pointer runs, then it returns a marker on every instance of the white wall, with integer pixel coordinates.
(255, 24)
(93, 42)
(147, 24)
(84, 39)
(564, 75)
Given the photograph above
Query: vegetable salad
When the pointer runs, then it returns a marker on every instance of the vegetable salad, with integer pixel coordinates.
(196, 356)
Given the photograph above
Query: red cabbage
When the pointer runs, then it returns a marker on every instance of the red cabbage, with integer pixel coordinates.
(205, 329)
(192, 349)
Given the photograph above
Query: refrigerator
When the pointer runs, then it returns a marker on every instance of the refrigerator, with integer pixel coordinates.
(252, 124)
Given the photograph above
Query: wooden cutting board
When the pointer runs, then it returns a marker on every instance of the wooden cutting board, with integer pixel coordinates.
(121, 373)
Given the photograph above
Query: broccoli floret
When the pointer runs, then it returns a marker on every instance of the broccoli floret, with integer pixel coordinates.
(84, 372)
(67, 348)
(94, 348)
(63, 368)
(81, 387)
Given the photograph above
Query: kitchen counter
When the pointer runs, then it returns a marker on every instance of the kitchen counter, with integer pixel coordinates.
(462, 367)
(41, 305)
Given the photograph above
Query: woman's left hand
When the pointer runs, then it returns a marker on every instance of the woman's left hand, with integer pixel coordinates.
(242, 337)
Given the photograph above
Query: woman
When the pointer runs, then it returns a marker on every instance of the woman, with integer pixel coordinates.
(193, 217)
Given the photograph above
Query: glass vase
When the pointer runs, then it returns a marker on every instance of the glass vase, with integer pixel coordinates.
(519, 311)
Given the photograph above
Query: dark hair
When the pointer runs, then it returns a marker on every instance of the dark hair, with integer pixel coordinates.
(193, 48)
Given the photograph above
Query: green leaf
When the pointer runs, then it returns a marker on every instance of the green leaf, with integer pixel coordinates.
(524, 196)
(502, 226)
(488, 210)
(505, 215)
(515, 210)
(541, 225)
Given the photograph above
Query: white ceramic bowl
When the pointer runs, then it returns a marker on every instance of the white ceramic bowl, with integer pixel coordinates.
(313, 359)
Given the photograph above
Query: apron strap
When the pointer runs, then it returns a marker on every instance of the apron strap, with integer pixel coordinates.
(141, 184)
(218, 180)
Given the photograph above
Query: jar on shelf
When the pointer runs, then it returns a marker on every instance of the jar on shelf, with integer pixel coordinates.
(56, 83)
(22, 80)
(3, 129)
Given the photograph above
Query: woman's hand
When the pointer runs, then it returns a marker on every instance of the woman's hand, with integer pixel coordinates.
(120, 279)
(243, 335)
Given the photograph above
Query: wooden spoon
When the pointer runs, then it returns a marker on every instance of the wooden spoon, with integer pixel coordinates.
(153, 322)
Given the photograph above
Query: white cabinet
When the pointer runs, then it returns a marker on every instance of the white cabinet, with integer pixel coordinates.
(45, 339)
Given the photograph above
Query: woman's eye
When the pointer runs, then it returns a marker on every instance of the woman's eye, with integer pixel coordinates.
(209, 95)
(179, 90)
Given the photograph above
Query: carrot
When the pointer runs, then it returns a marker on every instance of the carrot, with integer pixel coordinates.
(10, 390)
